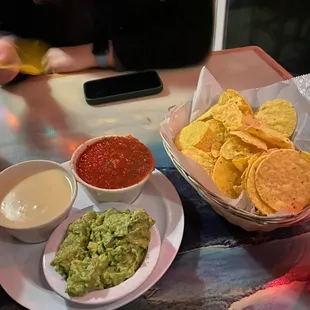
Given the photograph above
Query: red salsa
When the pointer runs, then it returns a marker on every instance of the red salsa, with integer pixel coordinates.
(115, 162)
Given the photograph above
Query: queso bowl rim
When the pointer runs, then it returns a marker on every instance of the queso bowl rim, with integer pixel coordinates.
(66, 209)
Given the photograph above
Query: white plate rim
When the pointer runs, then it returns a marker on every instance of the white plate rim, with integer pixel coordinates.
(106, 296)
(173, 236)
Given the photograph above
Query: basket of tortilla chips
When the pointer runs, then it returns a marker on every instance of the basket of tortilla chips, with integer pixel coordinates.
(243, 161)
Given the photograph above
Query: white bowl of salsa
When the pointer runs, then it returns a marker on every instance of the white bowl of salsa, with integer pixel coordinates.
(113, 168)
(35, 197)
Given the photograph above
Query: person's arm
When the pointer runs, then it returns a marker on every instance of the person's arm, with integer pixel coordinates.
(9, 56)
(13, 23)
(181, 38)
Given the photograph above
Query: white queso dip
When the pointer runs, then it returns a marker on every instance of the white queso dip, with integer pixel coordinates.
(35, 199)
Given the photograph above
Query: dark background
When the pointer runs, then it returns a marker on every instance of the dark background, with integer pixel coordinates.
(280, 27)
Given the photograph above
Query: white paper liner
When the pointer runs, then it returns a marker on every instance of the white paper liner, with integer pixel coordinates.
(295, 90)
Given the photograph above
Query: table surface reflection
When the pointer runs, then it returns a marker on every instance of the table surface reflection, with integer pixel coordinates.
(47, 117)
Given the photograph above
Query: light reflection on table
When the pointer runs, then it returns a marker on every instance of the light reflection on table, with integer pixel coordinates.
(47, 117)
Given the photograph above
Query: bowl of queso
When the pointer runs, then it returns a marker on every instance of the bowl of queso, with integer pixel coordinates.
(113, 168)
(35, 196)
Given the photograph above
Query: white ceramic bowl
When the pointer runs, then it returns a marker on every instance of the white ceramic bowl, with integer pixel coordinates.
(58, 284)
(125, 195)
(10, 176)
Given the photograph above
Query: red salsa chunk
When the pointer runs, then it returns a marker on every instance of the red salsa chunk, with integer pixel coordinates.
(115, 162)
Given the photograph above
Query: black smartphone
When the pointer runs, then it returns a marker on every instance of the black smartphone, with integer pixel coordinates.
(122, 87)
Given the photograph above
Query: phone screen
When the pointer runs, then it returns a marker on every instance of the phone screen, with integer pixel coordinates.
(122, 85)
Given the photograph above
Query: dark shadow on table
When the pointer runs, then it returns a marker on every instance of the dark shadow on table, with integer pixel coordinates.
(7, 301)
(193, 224)
(4, 164)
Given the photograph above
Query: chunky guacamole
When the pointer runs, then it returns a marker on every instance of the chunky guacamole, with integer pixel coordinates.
(101, 250)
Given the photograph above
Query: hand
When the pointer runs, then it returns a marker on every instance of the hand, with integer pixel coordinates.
(8, 56)
(69, 59)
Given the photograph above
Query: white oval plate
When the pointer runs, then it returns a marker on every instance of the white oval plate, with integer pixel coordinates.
(21, 273)
(58, 284)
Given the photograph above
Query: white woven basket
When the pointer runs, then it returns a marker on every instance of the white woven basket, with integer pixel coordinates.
(236, 216)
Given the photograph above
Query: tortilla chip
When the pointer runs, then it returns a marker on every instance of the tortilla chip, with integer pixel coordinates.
(241, 162)
(243, 105)
(213, 138)
(279, 115)
(229, 114)
(216, 149)
(226, 176)
(274, 138)
(190, 135)
(222, 100)
(235, 147)
(251, 188)
(307, 155)
(248, 138)
(245, 174)
(283, 180)
(204, 159)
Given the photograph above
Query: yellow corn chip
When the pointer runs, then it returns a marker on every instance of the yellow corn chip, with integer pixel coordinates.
(271, 136)
(243, 105)
(251, 189)
(241, 162)
(279, 115)
(226, 176)
(222, 100)
(202, 158)
(229, 114)
(245, 173)
(283, 180)
(248, 138)
(213, 137)
(307, 155)
(235, 147)
(191, 135)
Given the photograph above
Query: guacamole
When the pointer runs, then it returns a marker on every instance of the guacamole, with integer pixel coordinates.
(102, 250)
